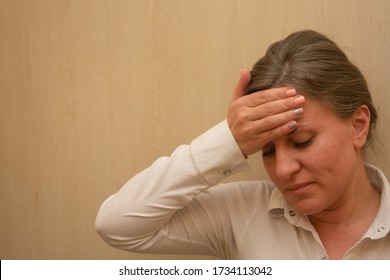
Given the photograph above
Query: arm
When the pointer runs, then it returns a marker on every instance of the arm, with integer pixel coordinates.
(139, 217)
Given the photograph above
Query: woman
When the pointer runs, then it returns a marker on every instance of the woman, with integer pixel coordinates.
(308, 109)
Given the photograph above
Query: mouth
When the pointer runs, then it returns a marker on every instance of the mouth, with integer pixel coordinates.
(298, 188)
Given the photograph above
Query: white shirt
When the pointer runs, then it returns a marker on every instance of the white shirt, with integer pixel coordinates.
(179, 206)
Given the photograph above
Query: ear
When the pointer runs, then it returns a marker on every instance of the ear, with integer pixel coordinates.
(361, 126)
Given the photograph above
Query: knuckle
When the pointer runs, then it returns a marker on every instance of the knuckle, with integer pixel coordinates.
(273, 134)
(246, 131)
(269, 122)
(260, 98)
(235, 106)
(242, 116)
(268, 109)
(270, 135)
(288, 104)
(240, 102)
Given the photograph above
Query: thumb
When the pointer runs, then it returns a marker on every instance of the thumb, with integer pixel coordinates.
(243, 82)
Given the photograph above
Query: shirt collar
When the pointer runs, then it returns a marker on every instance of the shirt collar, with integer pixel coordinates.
(381, 225)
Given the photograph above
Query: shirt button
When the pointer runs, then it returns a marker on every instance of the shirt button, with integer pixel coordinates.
(292, 213)
(227, 172)
(380, 229)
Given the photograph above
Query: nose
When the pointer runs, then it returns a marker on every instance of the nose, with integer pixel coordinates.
(287, 164)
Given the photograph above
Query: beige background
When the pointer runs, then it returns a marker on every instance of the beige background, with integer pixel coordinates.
(93, 91)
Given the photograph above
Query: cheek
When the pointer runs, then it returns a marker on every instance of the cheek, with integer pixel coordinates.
(322, 153)
(329, 154)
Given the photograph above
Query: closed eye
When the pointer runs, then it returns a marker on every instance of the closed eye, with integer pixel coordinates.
(304, 144)
(268, 150)
(268, 153)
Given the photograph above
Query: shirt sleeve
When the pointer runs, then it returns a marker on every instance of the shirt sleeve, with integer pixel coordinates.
(158, 210)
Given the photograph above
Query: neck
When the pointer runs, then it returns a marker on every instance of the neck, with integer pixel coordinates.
(343, 225)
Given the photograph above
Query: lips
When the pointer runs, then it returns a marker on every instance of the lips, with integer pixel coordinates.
(298, 188)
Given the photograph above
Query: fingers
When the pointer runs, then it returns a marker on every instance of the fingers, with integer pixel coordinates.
(278, 101)
(261, 97)
(285, 119)
(263, 116)
(271, 135)
(275, 107)
(242, 84)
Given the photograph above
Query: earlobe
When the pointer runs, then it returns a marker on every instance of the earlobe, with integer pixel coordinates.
(361, 126)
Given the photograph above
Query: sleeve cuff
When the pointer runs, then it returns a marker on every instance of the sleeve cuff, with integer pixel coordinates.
(217, 154)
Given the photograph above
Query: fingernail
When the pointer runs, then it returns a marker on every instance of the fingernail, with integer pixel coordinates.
(299, 100)
(291, 92)
(292, 125)
(298, 111)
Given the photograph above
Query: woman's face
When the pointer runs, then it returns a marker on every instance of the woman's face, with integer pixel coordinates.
(315, 167)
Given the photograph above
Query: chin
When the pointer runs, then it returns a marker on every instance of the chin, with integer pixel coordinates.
(307, 212)
(307, 208)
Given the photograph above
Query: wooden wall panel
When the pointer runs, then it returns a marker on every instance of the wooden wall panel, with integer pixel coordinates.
(92, 91)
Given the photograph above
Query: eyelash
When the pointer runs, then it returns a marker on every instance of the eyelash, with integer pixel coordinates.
(268, 154)
(300, 145)
(303, 144)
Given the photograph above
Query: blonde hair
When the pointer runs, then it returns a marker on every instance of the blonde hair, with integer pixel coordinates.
(317, 68)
